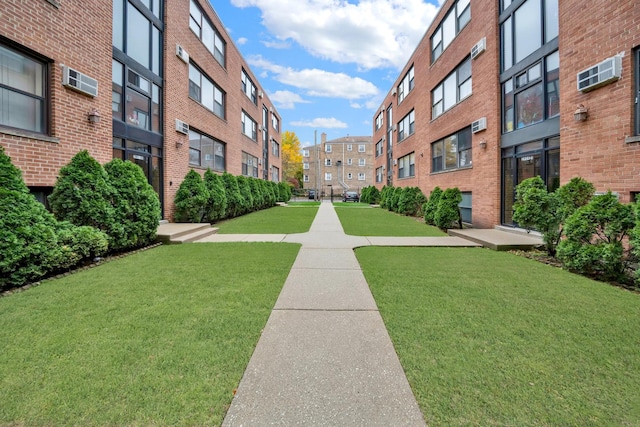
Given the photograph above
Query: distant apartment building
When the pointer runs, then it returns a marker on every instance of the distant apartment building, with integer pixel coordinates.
(497, 92)
(343, 164)
(182, 97)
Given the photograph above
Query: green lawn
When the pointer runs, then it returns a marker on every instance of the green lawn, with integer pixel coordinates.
(161, 337)
(492, 339)
(276, 220)
(362, 220)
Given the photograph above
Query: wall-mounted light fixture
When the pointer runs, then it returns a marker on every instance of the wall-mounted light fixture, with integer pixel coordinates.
(483, 144)
(580, 115)
(93, 116)
(179, 143)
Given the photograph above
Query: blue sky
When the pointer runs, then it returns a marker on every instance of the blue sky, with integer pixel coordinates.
(326, 64)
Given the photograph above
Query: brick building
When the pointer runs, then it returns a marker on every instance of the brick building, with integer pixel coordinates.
(182, 95)
(496, 92)
(340, 164)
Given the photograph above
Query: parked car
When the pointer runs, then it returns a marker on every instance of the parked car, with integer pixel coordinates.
(312, 194)
(350, 196)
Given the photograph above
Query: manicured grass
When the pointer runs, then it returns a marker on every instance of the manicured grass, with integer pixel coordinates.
(161, 337)
(358, 221)
(489, 338)
(276, 220)
(351, 204)
(303, 203)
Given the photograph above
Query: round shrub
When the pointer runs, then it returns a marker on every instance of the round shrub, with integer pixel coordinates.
(191, 199)
(136, 205)
(411, 201)
(10, 176)
(448, 215)
(284, 192)
(217, 203)
(431, 206)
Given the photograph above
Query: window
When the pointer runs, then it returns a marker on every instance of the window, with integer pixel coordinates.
(361, 162)
(362, 148)
(452, 152)
(455, 88)
(390, 127)
(406, 85)
(532, 24)
(532, 95)
(249, 126)
(305, 178)
(205, 151)
(135, 33)
(327, 176)
(361, 176)
(305, 165)
(327, 162)
(248, 88)
(406, 166)
(275, 148)
(207, 33)
(205, 91)
(406, 126)
(465, 207)
(349, 175)
(379, 148)
(327, 148)
(349, 147)
(275, 122)
(457, 18)
(305, 153)
(249, 165)
(349, 162)
(379, 174)
(379, 120)
(23, 103)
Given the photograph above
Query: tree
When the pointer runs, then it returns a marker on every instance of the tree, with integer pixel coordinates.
(291, 157)
(191, 199)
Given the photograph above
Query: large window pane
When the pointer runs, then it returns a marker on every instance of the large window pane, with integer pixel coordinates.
(118, 24)
(507, 45)
(551, 20)
(529, 104)
(451, 152)
(156, 50)
(528, 29)
(21, 111)
(448, 29)
(138, 35)
(553, 85)
(450, 91)
(137, 108)
(117, 71)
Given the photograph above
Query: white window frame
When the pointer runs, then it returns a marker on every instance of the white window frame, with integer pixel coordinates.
(362, 162)
(362, 148)
(327, 176)
(361, 176)
(249, 127)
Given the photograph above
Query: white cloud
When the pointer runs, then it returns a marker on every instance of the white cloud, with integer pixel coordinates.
(287, 100)
(320, 122)
(242, 40)
(317, 82)
(371, 33)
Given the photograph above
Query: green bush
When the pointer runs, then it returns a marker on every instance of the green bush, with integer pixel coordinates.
(80, 243)
(271, 192)
(635, 240)
(284, 191)
(370, 195)
(594, 238)
(448, 214)
(10, 176)
(411, 201)
(394, 198)
(535, 208)
(191, 199)
(235, 202)
(83, 195)
(385, 196)
(216, 205)
(136, 205)
(245, 191)
(257, 193)
(431, 206)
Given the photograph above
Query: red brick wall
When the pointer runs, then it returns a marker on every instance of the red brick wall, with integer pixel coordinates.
(483, 178)
(596, 149)
(180, 106)
(79, 37)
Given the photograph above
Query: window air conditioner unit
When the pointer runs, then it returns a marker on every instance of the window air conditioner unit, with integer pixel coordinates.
(478, 48)
(394, 127)
(79, 82)
(182, 127)
(605, 72)
(182, 54)
(395, 162)
(259, 161)
(259, 128)
(394, 91)
(479, 125)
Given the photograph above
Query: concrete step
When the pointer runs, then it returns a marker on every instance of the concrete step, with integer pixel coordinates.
(498, 240)
(173, 233)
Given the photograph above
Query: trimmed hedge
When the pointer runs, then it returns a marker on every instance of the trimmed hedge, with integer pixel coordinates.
(191, 199)
(370, 195)
(431, 206)
(216, 205)
(448, 214)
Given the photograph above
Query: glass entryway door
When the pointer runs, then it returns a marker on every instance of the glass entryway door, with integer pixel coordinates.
(148, 157)
(517, 170)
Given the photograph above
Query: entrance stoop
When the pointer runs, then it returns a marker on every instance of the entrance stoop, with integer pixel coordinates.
(174, 233)
(498, 239)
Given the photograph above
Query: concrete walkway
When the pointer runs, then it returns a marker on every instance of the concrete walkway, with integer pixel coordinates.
(325, 357)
